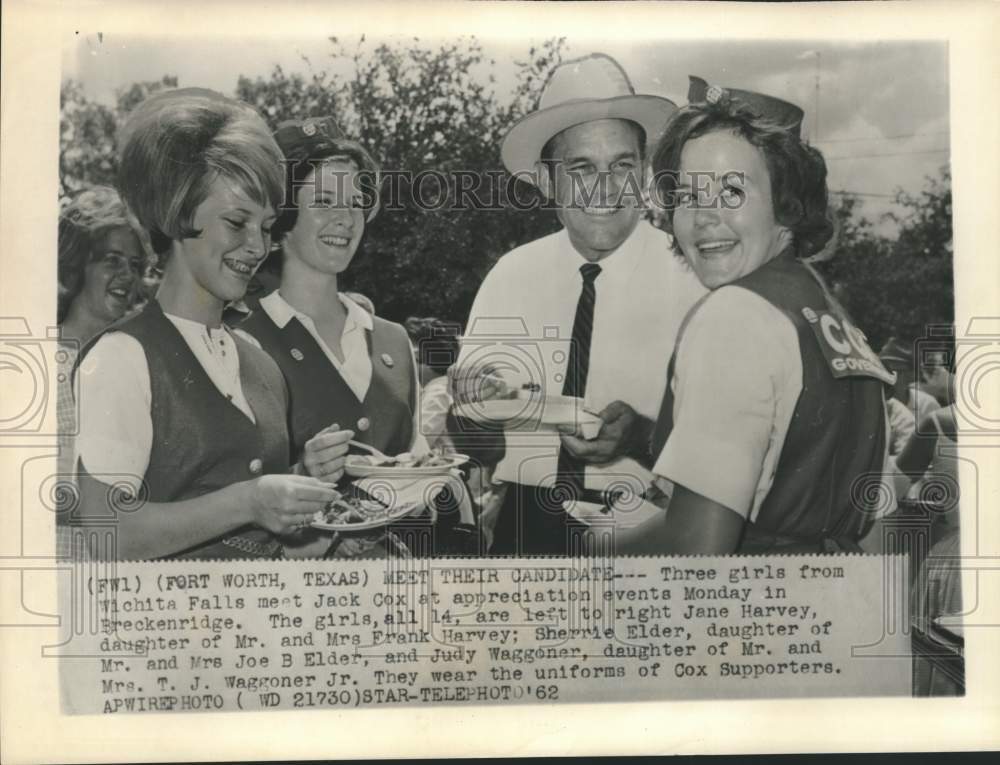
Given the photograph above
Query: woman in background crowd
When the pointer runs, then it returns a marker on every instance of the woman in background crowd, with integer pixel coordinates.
(102, 262)
(774, 405)
(188, 414)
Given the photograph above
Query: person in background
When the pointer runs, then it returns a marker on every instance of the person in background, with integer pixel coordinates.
(102, 262)
(907, 404)
(929, 459)
(192, 416)
(775, 405)
(436, 346)
(937, 375)
(598, 299)
(928, 466)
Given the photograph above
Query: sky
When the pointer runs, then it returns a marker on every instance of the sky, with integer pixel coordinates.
(878, 110)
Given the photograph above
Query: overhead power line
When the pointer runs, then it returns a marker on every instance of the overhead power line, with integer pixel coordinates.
(890, 154)
(883, 137)
(864, 194)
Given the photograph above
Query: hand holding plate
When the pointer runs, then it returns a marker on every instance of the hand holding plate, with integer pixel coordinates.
(614, 440)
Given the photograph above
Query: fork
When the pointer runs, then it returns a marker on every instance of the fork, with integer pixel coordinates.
(369, 449)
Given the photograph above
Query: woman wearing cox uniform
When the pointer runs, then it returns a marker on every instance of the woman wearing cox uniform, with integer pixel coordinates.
(342, 364)
(189, 416)
(773, 419)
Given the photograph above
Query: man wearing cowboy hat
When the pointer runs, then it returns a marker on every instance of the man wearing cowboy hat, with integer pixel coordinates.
(590, 311)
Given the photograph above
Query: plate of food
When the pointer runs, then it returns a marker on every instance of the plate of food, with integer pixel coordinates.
(620, 512)
(402, 465)
(529, 410)
(351, 512)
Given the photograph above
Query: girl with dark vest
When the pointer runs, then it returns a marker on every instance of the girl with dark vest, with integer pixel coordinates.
(341, 363)
(773, 431)
(183, 443)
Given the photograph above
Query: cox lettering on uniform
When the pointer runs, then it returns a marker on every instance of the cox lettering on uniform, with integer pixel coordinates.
(845, 347)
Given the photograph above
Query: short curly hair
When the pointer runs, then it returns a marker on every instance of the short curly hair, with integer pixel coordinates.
(177, 143)
(797, 171)
(88, 217)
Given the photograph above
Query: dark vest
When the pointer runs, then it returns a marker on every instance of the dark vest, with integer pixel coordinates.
(820, 498)
(319, 396)
(201, 441)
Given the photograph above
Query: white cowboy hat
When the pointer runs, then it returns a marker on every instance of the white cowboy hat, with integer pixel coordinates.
(594, 87)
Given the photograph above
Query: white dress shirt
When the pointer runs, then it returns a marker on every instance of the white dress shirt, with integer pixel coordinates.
(523, 316)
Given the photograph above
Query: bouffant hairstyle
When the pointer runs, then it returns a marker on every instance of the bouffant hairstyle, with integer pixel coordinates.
(177, 143)
(799, 193)
(82, 223)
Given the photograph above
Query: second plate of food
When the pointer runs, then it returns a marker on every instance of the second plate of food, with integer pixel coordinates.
(533, 412)
(402, 465)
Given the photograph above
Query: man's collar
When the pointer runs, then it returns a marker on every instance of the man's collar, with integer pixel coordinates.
(281, 312)
(621, 262)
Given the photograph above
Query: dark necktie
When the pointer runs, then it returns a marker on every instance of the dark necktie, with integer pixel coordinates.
(570, 470)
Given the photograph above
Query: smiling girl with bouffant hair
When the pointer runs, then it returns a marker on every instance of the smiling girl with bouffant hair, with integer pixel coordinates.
(188, 414)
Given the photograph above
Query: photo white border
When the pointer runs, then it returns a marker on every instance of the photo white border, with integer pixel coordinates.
(34, 33)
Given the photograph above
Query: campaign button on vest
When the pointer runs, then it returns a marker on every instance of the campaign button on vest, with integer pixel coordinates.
(256, 466)
(297, 354)
(363, 424)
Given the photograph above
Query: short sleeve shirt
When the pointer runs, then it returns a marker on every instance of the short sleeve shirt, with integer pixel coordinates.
(737, 379)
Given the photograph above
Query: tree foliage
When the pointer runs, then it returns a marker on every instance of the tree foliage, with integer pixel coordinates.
(897, 287)
(86, 141)
(421, 108)
(88, 151)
